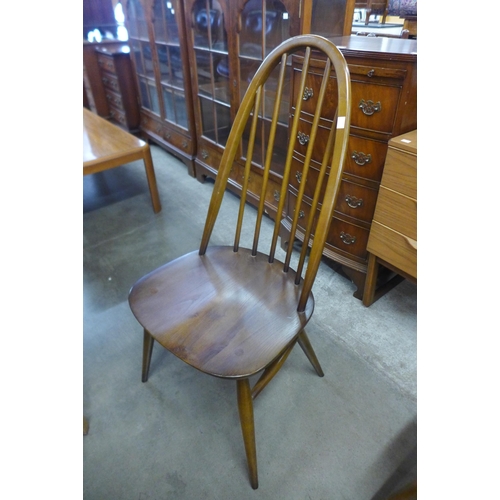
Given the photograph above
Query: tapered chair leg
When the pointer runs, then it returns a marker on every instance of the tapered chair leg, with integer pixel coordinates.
(304, 342)
(245, 407)
(147, 350)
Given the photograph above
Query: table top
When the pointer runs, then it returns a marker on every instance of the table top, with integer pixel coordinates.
(103, 141)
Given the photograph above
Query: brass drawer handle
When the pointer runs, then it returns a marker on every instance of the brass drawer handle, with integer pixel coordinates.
(298, 176)
(347, 238)
(301, 214)
(204, 154)
(354, 202)
(276, 195)
(303, 138)
(369, 107)
(370, 73)
(308, 93)
(361, 158)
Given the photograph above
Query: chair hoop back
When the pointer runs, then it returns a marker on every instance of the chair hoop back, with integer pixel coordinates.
(304, 48)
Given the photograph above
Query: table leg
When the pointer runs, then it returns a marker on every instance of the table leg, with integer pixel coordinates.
(371, 280)
(150, 173)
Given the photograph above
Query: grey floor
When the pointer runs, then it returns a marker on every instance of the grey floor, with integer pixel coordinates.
(350, 435)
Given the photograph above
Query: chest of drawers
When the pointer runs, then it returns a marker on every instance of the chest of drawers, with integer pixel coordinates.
(384, 105)
(119, 86)
(393, 236)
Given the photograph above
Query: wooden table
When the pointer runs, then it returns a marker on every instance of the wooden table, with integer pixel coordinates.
(107, 146)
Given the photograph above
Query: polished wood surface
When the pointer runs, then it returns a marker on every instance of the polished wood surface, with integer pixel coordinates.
(234, 312)
(107, 146)
(393, 237)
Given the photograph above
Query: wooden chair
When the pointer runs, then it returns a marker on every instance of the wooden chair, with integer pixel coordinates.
(234, 312)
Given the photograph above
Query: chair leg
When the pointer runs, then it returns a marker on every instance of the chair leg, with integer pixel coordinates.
(147, 350)
(245, 407)
(304, 342)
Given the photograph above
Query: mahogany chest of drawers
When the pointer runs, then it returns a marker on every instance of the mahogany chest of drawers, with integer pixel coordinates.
(384, 105)
(393, 236)
(120, 86)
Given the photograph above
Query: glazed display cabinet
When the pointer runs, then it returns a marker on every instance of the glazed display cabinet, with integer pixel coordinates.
(227, 40)
(157, 36)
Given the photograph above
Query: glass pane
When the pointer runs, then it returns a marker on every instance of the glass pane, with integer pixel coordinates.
(158, 21)
(137, 21)
(204, 72)
(270, 90)
(180, 109)
(168, 101)
(171, 23)
(164, 63)
(143, 89)
(277, 25)
(208, 26)
(223, 123)
(155, 105)
(207, 118)
(147, 59)
(136, 55)
(221, 78)
(328, 17)
(177, 75)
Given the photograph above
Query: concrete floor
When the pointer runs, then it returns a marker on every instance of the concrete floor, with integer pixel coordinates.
(350, 435)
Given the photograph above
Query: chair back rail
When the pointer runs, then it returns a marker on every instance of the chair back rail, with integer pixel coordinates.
(334, 156)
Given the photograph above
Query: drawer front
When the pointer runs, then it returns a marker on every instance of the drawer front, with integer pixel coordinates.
(301, 142)
(177, 140)
(349, 238)
(106, 63)
(114, 99)
(296, 176)
(311, 93)
(375, 96)
(151, 125)
(393, 247)
(400, 172)
(365, 158)
(374, 106)
(110, 82)
(397, 211)
(356, 201)
(118, 116)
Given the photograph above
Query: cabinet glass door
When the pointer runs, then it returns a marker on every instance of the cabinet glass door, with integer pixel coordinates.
(168, 49)
(264, 25)
(142, 56)
(212, 69)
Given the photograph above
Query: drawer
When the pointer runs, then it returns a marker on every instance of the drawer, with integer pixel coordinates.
(110, 81)
(106, 63)
(301, 142)
(356, 201)
(310, 97)
(296, 176)
(400, 172)
(374, 106)
(151, 125)
(114, 99)
(118, 116)
(393, 247)
(365, 158)
(397, 211)
(349, 238)
(177, 140)
(375, 96)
